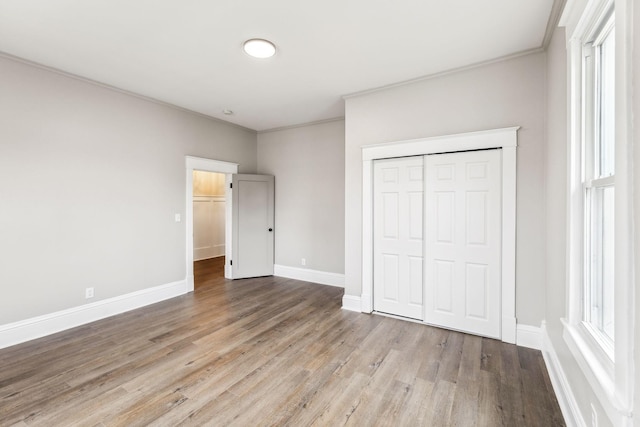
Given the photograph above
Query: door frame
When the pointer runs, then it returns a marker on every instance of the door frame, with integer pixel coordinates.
(507, 140)
(207, 165)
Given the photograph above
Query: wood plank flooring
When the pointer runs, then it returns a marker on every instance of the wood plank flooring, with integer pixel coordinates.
(269, 351)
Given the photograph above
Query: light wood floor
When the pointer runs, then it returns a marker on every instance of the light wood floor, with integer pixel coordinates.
(269, 351)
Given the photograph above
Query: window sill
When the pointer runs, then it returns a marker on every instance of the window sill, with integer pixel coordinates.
(599, 370)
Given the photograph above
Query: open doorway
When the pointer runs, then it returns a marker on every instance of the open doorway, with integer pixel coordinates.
(206, 165)
(244, 224)
(208, 227)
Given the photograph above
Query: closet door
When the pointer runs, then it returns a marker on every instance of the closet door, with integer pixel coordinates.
(463, 241)
(398, 236)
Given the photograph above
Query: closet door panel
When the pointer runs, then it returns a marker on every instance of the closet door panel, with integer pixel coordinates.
(463, 241)
(398, 281)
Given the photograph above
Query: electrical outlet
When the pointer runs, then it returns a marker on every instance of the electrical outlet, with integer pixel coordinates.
(303, 261)
(88, 293)
(594, 416)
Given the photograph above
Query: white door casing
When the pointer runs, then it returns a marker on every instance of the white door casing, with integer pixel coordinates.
(252, 228)
(398, 236)
(506, 139)
(463, 241)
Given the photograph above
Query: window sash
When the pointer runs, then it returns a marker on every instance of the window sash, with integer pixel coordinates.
(598, 182)
(598, 290)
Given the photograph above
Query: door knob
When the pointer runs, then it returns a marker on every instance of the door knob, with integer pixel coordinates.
(271, 229)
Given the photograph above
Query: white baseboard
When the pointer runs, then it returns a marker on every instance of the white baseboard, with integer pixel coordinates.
(315, 276)
(529, 336)
(200, 254)
(526, 336)
(37, 327)
(564, 394)
(351, 303)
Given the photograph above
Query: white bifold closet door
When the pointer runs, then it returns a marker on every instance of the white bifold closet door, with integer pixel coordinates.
(398, 246)
(463, 241)
(437, 239)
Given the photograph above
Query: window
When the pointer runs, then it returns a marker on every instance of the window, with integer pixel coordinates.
(599, 328)
(598, 164)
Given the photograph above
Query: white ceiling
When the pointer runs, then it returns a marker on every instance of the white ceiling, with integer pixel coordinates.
(189, 52)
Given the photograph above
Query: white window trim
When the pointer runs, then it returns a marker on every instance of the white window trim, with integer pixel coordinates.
(611, 381)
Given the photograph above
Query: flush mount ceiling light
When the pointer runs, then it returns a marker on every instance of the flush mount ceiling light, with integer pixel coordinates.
(259, 48)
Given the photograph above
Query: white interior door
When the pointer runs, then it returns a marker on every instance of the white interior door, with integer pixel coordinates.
(252, 224)
(398, 241)
(463, 241)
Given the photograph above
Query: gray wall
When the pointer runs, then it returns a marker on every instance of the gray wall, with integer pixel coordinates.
(556, 182)
(308, 163)
(90, 180)
(502, 94)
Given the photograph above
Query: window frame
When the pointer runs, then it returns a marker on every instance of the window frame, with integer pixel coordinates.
(609, 373)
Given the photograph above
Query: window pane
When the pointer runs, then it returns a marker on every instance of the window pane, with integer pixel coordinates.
(600, 297)
(606, 148)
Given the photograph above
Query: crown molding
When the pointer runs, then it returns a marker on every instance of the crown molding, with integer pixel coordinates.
(553, 22)
(301, 125)
(554, 19)
(67, 74)
(445, 73)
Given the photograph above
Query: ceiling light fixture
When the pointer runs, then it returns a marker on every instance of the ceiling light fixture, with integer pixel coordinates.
(259, 48)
